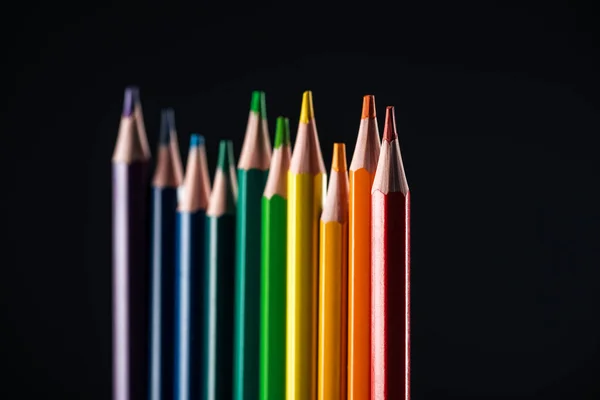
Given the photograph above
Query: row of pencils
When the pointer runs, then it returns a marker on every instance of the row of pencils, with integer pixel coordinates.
(267, 284)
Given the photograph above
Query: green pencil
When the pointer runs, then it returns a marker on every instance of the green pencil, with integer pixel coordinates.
(253, 168)
(219, 279)
(273, 269)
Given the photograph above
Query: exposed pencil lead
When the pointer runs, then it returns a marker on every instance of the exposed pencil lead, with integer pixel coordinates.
(258, 103)
(338, 162)
(167, 123)
(196, 140)
(129, 101)
(368, 109)
(225, 155)
(282, 132)
(307, 112)
(389, 130)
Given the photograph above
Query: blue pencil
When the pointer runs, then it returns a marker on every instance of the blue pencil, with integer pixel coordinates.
(168, 176)
(190, 230)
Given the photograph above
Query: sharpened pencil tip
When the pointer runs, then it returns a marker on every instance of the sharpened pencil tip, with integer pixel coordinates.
(307, 112)
(196, 140)
(368, 109)
(338, 162)
(167, 124)
(258, 103)
(282, 132)
(131, 98)
(389, 130)
(225, 155)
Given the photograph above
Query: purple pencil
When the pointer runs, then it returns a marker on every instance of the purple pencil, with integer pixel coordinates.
(130, 166)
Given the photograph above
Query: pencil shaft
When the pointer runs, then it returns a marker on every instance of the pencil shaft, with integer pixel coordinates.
(189, 304)
(162, 285)
(130, 281)
(390, 305)
(273, 298)
(218, 308)
(359, 286)
(305, 200)
(332, 311)
(251, 184)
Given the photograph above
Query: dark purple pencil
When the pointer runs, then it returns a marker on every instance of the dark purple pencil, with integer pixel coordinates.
(130, 164)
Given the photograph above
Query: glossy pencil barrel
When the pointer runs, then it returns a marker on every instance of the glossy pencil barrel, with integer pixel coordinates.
(359, 285)
(218, 308)
(162, 303)
(189, 304)
(390, 301)
(247, 283)
(305, 199)
(273, 298)
(333, 277)
(130, 281)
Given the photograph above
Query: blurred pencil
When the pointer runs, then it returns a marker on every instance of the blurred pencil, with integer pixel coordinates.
(333, 275)
(253, 168)
(362, 172)
(168, 176)
(130, 169)
(190, 233)
(390, 275)
(306, 182)
(217, 360)
(273, 268)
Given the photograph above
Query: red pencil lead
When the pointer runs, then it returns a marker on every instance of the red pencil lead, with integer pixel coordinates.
(389, 130)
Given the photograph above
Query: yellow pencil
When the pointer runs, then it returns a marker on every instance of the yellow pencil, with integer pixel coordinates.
(306, 181)
(333, 275)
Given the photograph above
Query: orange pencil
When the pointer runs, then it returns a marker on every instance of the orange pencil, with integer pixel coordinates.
(362, 173)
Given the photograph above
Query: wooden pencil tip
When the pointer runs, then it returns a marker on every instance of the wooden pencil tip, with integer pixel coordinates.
(368, 110)
(130, 100)
(282, 132)
(338, 162)
(307, 113)
(389, 130)
(225, 160)
(167, 124)
(258, 103)
(196, 140)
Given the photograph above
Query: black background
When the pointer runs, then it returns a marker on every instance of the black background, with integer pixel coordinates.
(498, 118)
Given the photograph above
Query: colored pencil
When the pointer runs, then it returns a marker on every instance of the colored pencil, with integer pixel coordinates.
(333, 282)
(253, 168)
(273, 267)
(306, 182)
(362, 172)
(390, 275)
(168, 176)
(130, 169)
(190, 231)
(219, 279)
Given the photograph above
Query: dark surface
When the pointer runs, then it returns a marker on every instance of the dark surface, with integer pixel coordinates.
(498, 118)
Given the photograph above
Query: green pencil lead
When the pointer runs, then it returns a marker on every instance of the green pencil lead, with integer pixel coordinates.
(282, 132)
(258, 103)
(226, 159)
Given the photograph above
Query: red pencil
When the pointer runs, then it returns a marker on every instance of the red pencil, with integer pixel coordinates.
(390, 272)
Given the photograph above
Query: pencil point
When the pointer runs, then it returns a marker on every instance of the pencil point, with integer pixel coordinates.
(368, 109)
(282, 132)
(131, 98)
(225, 155)
(338, 162)
(389, 130)
(307, 112)
(258, 103)
(196, 140)
(167, 124)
